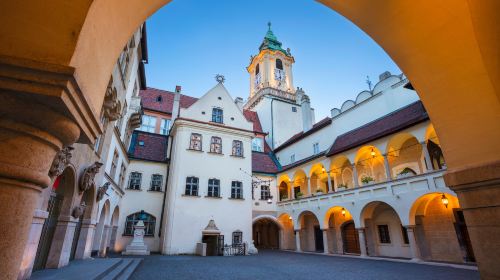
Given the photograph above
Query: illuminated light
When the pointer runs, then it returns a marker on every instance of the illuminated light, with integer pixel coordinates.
(290, 218)
(444, 200)
(323, 169)
(372, 153)
(269, 201)
(343, 212)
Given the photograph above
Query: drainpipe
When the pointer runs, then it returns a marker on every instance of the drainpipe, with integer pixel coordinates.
(272, 124)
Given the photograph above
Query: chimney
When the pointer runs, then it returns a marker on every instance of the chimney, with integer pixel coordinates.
(176, 104)
(239, 102)
(305, 103)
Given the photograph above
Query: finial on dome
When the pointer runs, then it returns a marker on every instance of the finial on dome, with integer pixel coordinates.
(269, 25)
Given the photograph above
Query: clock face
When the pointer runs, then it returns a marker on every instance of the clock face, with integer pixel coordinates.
(279, 75)
(256, 81)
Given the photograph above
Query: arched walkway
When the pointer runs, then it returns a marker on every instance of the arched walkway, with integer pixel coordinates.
(341, 173)
(436, 70)
(114, 228)
(311, 234)
(288, 236)
(266, 232)
(405, 156)
(370, 166)
(340, 239)
(101, 237)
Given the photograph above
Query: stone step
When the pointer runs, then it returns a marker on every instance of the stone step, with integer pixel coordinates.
(125, 274)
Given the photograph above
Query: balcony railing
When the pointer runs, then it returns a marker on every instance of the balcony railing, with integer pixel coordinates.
(422, 183)
(269, 91)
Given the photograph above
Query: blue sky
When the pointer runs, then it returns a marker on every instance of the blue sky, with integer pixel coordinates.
(190, 41)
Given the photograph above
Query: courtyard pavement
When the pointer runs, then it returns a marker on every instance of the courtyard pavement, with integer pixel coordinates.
(278, 265)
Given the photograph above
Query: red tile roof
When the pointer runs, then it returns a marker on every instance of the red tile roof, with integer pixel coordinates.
(386, 125)
(149, 98)
(263, 163)
(153, 149)
(317, 126)
(252, 116)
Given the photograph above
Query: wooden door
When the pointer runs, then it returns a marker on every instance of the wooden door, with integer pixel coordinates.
(350, 238)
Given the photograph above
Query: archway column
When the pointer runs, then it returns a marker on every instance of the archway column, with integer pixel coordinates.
(292, 193)
(84, 247)
(325, 241)
(355, 176)
(387, 167)
(427, 157)
(362, 242)
(297, 240)
(60, 248)
(43, 110)
(104, 241)
(329, 185)
(415, 253)
(307, 180)
(32, 245)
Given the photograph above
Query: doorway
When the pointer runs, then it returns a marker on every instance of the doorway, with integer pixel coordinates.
(463, 236)
(212, 242)
(318, 239)
(350, 238)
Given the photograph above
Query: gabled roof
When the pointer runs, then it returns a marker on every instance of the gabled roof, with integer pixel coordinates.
(316, 127)
(154, 146)
(149, 98)
(386, 125)
(252, 116)
(263, 163)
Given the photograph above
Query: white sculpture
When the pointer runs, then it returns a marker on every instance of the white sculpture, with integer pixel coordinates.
(137, 246)
(251, 249)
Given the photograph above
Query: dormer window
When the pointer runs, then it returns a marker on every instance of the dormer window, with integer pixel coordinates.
(217, 115)
(279, 64)
(158, 99)
(257, 144)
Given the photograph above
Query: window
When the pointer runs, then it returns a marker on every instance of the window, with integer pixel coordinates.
(292, 158)
(195, 143)
(164, 126)
(257, 144)
(265, 193)
(123, 169)
(237, 237)
(279, 64)
(148, 123)
(191, 186)
(217, 115)
(158, 99)
(148, 220)
(213, 188)
(141, 143)
(134, 182)
(236, 190)
(404, 232)
(114, 165)
(294, 109)
(383, 234)
(316, 148)
(257, 69)
(156, 180)
(216, 145)
(237, 148)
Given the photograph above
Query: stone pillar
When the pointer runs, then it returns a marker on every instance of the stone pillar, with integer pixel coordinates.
(325, 241)
(427, 157)
(387, 167)
(362, 242)
(112, 239)
(355, 176)
(60, 248)
(415, 254)
(330, 189)
(478, 190)
(308, 185)
(42, 109)
(297, 240)
(32, 246)
(104, 241)
(84, 247)
(292, 193)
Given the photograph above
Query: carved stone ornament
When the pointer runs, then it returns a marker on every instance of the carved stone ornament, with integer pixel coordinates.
(62, 159)
(102, 191)
(211, 228)
(111, 106)
(78, 210)
(87, 179)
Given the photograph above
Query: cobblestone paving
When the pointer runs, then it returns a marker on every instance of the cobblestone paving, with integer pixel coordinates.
(278, 265)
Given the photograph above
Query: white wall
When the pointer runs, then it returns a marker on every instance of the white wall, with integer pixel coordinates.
(261, 206)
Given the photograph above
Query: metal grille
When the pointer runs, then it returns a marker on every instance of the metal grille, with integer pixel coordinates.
(48, 229)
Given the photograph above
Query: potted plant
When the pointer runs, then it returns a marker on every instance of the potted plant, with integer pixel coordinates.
(366, 180)
(406, 172)
(341, 187)
(319, 191)
(299, 195)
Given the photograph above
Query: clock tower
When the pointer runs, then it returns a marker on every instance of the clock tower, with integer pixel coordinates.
(283, 110)
(272, 67)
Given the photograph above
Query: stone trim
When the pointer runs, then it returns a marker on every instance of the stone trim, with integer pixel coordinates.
(471, 177)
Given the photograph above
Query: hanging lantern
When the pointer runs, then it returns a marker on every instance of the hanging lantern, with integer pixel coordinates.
(323, 169)
(343, 212)
(372, 153)
(290, 218)
(444, 200)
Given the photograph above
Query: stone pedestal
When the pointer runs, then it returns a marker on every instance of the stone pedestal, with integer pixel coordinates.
(362, 242)
(84, 247)
(34, 237)
(103, 247)
(297, 240)
(137, 247)
(60, 248)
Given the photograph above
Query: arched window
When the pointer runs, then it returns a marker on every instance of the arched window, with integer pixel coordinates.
(279, 64)
(148, 220)
(257, 70)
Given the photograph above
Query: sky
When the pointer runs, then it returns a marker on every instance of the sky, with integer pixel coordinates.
(190, 41)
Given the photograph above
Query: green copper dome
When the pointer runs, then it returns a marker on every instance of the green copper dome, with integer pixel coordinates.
(271, 42)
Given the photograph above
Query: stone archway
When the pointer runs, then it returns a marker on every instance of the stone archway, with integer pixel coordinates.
(444, 76)
(267, 232)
